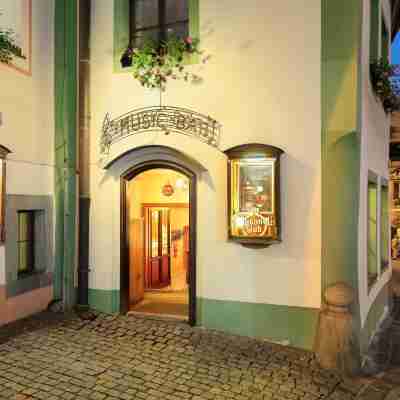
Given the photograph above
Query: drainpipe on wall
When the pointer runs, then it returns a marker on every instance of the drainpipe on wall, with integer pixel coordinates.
(84, 153)
(66, 78)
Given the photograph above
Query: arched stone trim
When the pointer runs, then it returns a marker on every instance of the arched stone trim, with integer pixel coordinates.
(150, 153)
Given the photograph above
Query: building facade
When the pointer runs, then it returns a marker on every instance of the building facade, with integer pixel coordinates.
(27, 131)
(291, 75)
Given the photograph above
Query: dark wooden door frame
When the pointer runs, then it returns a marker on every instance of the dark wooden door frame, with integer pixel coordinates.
(124, 274)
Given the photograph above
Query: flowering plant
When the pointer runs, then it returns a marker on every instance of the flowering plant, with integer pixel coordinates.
(8, 47)
(381, 72)
(155, 62)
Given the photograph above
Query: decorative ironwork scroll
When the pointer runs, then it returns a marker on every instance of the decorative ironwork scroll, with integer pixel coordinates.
(166, 119)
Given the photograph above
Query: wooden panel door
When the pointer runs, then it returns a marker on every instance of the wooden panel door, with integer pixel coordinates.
(186, 249)
(136, 261)
(165, 228)
(158, 248)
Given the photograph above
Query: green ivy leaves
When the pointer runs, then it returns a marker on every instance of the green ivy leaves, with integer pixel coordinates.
(381, 72)
(156, 62)
(8, 47)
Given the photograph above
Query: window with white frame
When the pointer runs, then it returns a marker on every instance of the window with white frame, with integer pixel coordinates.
(385, 226)
(378, 244)
(372, 243)
(379, 33)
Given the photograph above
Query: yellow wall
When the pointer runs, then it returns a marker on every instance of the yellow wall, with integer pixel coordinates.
(262, 84)
(27, 111)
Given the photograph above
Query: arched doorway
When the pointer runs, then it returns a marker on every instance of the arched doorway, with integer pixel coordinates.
(149, 261)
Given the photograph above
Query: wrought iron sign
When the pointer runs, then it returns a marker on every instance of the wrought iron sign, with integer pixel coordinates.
(166, 119)
(254, 194)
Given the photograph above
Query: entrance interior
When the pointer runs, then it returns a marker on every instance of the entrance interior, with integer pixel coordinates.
(158, 229)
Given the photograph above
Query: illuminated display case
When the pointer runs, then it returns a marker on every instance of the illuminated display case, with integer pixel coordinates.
(254, 194)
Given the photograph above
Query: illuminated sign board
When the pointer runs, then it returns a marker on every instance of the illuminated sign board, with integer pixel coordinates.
(254, 193)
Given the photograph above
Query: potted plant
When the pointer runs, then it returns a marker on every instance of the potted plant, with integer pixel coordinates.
(381, 72)
(156, 62)
(8, 46)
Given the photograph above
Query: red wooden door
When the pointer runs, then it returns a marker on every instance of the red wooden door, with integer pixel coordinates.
(159, 268)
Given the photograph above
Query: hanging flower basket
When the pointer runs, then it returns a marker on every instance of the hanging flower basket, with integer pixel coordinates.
(8, 47)
(381, 72)
(156, 62)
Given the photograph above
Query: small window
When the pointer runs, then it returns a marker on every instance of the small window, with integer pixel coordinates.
(157, 20)
(384, 225)
(372, 230)
(26, 242)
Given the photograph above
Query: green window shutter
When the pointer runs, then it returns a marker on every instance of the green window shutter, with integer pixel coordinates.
(374, 30)
(194, 27)
(121, 30)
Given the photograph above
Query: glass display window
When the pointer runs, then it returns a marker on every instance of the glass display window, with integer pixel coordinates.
(254, 194)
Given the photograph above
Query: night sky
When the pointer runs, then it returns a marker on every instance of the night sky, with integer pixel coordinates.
(396, 50)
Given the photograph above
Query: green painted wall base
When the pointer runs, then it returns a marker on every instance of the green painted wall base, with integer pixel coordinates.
(106, 301)
(278, 323)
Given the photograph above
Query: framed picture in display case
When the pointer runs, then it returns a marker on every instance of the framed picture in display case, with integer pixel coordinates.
(254, 194)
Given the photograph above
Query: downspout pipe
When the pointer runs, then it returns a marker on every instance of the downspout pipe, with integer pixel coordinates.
(83, 151)
(66, 78)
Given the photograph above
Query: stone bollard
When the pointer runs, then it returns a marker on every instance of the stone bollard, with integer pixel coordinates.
(336, 347)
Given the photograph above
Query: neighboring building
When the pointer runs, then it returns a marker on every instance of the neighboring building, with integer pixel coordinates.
(27, 130)
(154, 205)
(395, 165)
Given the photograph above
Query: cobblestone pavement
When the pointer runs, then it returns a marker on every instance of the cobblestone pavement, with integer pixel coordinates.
(119, 357)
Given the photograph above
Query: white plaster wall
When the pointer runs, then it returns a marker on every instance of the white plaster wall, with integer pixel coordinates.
(375, 138)
(26, 104)
(147, 188)
(263, 84)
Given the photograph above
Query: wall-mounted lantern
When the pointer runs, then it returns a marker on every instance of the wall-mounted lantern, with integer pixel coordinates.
(3, 154)
(254, 194)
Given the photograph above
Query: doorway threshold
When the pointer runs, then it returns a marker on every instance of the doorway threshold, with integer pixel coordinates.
(169, 317)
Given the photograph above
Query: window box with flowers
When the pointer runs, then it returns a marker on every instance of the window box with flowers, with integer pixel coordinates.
(156, 62)
(381, 73)
(156, 33)
(8, 47)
